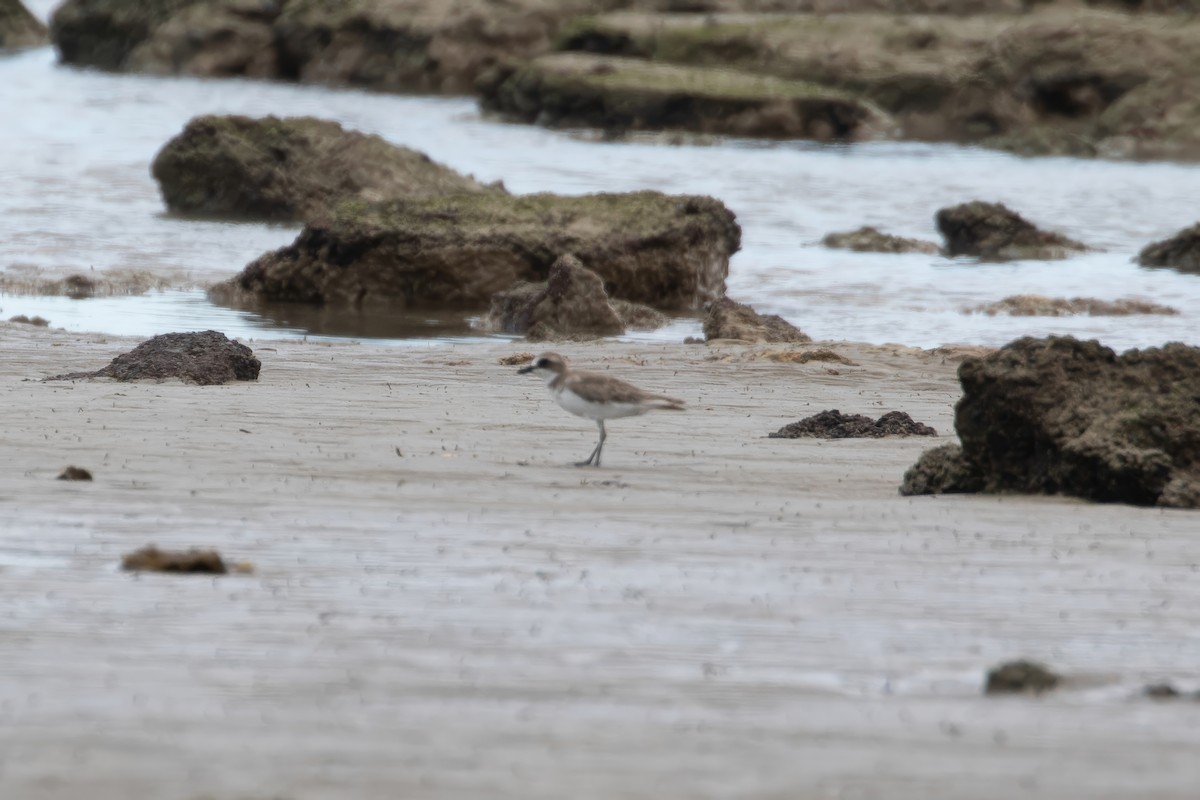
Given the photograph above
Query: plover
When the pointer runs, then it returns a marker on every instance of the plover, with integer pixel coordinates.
(595, 396)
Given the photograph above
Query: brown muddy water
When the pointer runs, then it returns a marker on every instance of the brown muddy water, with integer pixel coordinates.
(78, 197)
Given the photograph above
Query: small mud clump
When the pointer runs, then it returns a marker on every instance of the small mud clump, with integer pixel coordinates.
(204, 358)
(1161, 691)
(515, 358)
(39, 322)
(74, 474)
(151, 559)
(1020, 677)
(836, 425)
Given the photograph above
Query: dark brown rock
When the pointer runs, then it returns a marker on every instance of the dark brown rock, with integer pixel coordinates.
(1020, 677)
(19, 27)
(103, 33)
(205, 358)
(728, 319)
(667, 251)
(1059, 415)
(1181, 251)
(408, 45)
(993, 232)
(151, 559)
(291, 168)
(836, 425)
(942, 470)
(870, 240)
(571, 302)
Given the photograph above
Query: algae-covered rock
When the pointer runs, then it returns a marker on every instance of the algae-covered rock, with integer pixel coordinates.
(729, 319)
(576, 89)
(103, 33)
(291, 168)
(1063, 416)
(1033, 305)
(871, 240)
(416, 45)
(19, 27)
(571, 302)
(993, 232)
(668, 251)
(1181, 251)
(214, 38)
(1056, 80)
(398, 45)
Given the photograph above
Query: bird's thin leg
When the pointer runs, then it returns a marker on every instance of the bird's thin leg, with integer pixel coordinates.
(594, 459)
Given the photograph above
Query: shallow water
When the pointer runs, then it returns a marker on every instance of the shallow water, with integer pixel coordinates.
(78, 196)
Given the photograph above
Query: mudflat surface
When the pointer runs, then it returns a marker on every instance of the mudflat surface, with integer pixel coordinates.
(442, 607)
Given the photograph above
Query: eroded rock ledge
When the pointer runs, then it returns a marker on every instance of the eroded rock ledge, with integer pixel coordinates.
(667, 251)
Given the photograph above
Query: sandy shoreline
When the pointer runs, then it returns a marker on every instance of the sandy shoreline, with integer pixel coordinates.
(442, 607)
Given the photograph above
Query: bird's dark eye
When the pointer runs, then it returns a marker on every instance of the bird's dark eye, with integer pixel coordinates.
(542, 363)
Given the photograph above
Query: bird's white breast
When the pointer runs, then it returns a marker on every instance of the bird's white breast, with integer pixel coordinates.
(592, 410)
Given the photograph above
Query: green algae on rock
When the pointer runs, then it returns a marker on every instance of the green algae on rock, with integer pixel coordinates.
(577, 89)
(291, 168)
(667, 251)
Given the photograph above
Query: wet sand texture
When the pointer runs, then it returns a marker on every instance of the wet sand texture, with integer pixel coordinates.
(442, 608)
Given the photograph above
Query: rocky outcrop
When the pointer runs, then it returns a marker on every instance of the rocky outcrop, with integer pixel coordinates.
(205, 358)
(1033, 305)
(620, 94)
(104, 33)
(993, 232)
(291, 168)
(729, 319)
(413, 45)
(1059, 415)
(836, 425)
(572, 302)
(871, 240)
(1181, 251)
(19, 27)
(1056, 80)
(668, 251)
(419, 45)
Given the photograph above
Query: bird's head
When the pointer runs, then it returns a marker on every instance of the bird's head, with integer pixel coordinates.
(548, 366)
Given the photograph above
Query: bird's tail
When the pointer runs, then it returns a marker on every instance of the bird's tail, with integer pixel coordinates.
(669, 403)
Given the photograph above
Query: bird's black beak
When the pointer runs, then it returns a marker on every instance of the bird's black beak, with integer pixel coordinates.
(525, 370)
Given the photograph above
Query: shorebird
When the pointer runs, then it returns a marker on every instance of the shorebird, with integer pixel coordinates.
(595, 396)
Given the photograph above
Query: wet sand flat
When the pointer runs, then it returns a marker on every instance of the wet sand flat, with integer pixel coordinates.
(442, 607)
